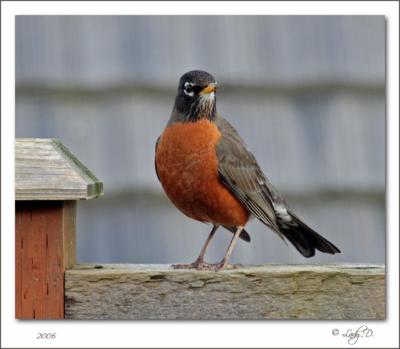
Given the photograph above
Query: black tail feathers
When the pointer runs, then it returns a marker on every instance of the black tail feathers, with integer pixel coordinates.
(304, 239)
(244, 235)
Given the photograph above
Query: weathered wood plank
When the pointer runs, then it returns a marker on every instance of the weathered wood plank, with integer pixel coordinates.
(69, 233)
(46, 170)
(256, 292)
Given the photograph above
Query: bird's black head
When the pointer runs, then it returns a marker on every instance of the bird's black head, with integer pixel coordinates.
(196, 97)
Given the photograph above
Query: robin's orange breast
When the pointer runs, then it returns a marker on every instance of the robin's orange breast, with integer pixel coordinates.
(187, 166)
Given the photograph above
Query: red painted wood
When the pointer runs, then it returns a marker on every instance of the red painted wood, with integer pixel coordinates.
(41, 258)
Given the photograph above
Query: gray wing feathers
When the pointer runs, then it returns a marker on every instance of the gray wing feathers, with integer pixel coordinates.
(239, 171)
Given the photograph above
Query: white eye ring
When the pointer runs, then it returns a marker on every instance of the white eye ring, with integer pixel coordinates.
(188, 89)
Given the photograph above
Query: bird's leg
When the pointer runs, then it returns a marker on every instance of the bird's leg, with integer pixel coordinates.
(224, 262)
(200, 259)
(199, 262)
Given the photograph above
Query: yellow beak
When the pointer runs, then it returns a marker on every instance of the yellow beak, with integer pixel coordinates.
(210, 88)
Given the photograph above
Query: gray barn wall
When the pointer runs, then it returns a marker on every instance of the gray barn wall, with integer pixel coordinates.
(306, 93)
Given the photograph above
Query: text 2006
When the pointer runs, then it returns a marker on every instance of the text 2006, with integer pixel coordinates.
(46, 335)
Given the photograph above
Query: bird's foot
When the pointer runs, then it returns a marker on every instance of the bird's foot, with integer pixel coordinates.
(199, 264)
(224, 265)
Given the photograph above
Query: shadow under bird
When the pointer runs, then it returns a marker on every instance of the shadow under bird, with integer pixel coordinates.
(209, 174)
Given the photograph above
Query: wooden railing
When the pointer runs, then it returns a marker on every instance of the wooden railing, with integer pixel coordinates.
(251, 292)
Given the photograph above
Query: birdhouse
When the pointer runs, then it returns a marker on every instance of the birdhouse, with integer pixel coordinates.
(49, 180)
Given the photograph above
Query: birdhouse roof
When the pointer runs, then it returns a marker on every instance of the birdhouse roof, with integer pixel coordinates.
(46, 170)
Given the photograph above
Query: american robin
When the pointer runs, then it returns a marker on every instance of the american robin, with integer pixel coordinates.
(209, 174)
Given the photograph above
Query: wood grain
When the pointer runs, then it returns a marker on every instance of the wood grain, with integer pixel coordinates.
(45, 246)
(142, 292)
(69, 233)
(46, 170)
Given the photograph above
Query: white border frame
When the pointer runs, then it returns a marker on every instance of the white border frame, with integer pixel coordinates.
(275, 334)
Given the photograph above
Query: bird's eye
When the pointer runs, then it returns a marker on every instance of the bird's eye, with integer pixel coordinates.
(188, 89)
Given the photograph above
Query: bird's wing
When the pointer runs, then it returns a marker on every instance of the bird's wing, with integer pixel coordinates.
(239, 171)
(155, 163)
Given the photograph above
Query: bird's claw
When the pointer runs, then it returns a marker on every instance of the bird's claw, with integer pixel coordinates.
(198, 264)
(201, 265)
(221, 265)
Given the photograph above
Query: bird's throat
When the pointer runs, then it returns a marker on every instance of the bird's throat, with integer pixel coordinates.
(203, 108)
